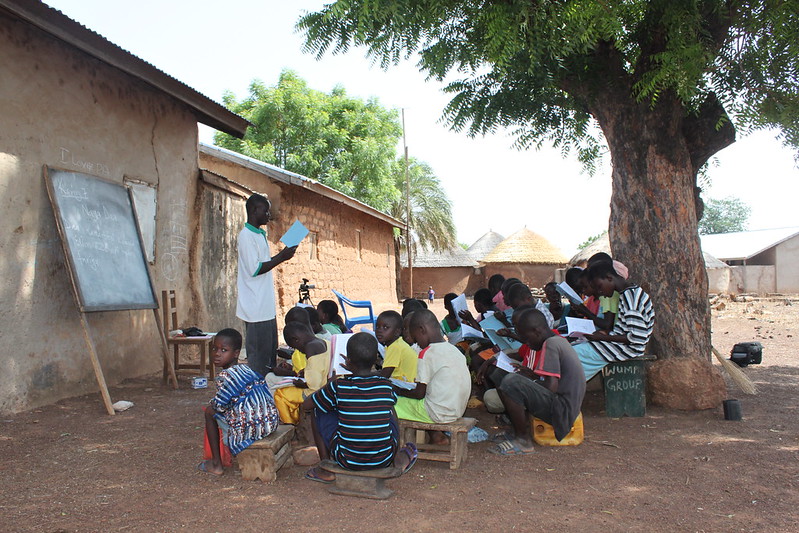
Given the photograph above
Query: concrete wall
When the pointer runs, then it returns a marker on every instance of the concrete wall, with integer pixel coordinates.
(758, 279)
(787, 263)
(718, 280)
(445, 279)
(334, 263)
(64, 109)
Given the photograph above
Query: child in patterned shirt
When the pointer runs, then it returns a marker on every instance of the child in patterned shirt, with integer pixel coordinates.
(243, 407)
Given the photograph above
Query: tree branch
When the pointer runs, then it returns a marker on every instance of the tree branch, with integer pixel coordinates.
(707, 131)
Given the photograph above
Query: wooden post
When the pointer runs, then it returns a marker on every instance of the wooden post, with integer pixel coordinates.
(165, 349)
(98, 370)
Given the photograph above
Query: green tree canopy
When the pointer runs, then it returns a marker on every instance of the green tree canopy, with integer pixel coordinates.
(666, 81)
(724, 216)
(344, 142)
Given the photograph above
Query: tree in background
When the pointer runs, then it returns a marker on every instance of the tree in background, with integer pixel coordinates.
(344, 142)
(590, 240)
(724, 216)
(664, 80)
(431, 209)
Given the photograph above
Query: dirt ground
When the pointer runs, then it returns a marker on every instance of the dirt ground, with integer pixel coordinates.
(71, 467)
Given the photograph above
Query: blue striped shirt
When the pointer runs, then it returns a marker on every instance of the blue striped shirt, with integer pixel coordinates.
(364, 438)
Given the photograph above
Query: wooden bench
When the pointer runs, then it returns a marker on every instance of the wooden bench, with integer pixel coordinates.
(263, 458)
(360, 483)
(454, 453)
(625, 387)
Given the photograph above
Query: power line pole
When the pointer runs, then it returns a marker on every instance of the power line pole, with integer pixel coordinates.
(408, 244)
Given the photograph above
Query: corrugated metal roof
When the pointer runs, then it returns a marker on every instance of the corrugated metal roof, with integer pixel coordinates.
(55, 23)
(298, 180)
(524, 246)
(484, 245)
(742, 245)
(427, 258)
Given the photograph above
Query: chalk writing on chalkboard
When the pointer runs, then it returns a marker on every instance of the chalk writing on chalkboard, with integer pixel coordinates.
(101, 238)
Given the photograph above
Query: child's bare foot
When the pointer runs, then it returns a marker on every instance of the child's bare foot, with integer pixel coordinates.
(438, 437)
(208, 467)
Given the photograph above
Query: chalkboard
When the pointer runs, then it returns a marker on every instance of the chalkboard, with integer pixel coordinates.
(97, 223)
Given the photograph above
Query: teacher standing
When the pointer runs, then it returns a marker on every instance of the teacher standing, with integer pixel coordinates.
(256, 286)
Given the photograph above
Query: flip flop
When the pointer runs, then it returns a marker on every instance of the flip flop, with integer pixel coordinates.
(502, 436)
(204, 469)
(413, 454)
(313, 475)
(509, 447)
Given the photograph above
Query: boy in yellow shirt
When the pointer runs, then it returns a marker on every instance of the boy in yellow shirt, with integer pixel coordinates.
(400, 360)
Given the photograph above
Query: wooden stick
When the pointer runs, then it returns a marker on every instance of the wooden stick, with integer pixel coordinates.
(98, 370)
(165, 349)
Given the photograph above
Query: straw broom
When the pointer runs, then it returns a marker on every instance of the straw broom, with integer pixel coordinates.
(736, 374)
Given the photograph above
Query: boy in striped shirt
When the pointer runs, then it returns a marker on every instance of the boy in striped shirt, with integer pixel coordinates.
(633, 326)
(354, 423)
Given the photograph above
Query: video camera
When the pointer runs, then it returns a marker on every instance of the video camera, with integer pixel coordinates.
(304, 291)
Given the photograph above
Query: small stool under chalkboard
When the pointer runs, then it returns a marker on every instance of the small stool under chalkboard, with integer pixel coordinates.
(625, 387)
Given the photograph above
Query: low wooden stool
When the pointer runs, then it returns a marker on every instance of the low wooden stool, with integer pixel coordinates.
(263, 458)
(454, 453)
(360, 483)
(625, 387)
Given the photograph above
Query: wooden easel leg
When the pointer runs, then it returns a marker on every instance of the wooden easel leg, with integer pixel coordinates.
(98, 371)
(165, 349)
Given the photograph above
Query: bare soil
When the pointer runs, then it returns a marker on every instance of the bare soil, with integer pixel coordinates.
(71, 467)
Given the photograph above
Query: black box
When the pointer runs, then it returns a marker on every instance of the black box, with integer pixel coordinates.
(747, 353)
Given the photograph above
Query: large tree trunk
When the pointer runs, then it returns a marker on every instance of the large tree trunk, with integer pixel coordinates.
(653, 230)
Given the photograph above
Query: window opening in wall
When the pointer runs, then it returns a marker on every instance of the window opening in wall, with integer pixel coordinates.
(145, 201)
(312, 253)
(358, 244)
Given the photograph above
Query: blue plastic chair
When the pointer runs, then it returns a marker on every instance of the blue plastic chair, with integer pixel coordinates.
(343, 302)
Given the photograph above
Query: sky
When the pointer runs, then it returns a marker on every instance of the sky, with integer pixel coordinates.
(215, 47)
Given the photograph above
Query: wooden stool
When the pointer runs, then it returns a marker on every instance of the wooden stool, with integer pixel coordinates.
(625, 387)
(454, 454)
(263, 458)
(360, 483)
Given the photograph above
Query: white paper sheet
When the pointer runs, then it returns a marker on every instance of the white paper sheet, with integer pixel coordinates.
(338, 352)
(569, 293)
(403, 384)
(580, 326)
(504, 362)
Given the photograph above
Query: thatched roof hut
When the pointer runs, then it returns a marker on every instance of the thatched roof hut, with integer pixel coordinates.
(527, 247)
(448, 271)
(484, 245)
(527, 256)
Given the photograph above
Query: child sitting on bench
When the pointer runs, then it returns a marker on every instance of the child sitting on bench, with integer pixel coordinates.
(317, 364)
(444, 383)
(400, 360)
(633, 325)
(242, 407)
(354, 422)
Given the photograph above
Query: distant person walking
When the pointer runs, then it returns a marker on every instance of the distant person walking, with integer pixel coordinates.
(256, 287)
(431, 294)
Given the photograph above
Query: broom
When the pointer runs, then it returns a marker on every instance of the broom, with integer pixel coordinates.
(736, 374)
